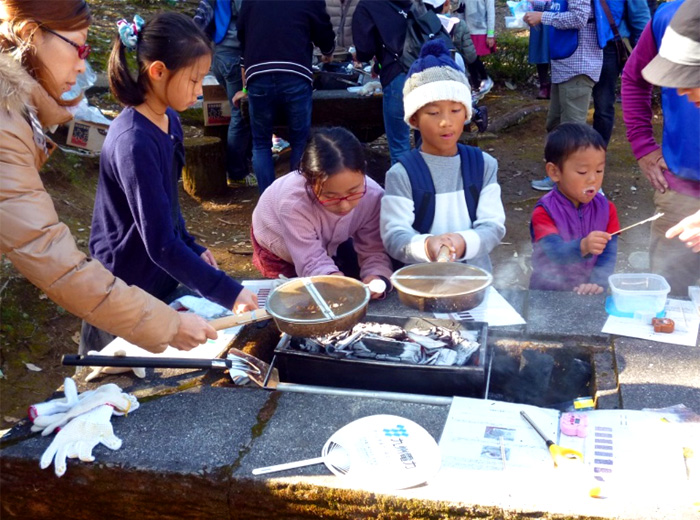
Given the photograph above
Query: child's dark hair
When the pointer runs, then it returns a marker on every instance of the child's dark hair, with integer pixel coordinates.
(330, 151)
(170, 37)
(567, 138)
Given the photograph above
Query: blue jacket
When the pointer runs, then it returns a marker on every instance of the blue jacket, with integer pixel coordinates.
(631, 16)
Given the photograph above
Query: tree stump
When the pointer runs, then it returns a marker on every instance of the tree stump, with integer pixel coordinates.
(205, 167)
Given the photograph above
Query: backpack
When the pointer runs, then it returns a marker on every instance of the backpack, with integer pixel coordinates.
(423, 189)
(422, 25)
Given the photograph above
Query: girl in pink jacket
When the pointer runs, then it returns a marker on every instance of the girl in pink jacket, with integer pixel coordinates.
(324, 218)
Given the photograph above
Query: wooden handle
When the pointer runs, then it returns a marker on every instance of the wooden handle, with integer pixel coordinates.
(443, 254)
(240, 319)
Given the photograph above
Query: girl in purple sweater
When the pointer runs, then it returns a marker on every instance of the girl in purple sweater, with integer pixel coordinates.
(324, 218)
(138, 231)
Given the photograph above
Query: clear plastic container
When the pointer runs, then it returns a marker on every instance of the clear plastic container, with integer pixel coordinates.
(639, 292)
(515, 22)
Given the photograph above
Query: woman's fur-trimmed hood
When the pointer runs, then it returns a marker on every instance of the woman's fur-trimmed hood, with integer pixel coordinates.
(18, 89)
(15, 85)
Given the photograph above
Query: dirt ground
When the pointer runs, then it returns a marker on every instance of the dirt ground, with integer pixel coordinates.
(35, 333)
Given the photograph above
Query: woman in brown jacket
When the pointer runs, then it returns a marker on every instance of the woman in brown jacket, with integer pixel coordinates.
(43, 46)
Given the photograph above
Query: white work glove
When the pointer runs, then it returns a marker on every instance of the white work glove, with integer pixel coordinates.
(60, 405)
(118, 347)
(78, 438)
(110, 394)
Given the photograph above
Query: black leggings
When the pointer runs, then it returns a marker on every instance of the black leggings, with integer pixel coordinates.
(477, 73)
(543, 74)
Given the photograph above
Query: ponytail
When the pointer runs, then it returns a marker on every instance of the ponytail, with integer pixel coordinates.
(170, 37)
(128, 91)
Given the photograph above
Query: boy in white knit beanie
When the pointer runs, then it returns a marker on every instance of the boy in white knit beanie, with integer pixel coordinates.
(444, 193)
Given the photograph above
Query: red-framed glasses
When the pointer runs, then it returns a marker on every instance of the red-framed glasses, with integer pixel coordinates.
(83, 50)
(337, 200)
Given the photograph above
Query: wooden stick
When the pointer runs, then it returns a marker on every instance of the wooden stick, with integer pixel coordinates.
(637, 224)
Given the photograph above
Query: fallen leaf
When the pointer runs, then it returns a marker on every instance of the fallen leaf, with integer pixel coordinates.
(510, 85)
(43, 296)
(76, 338)
(10, 419)
(32, 367)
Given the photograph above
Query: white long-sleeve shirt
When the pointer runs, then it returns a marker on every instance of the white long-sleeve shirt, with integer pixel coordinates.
(451, 214)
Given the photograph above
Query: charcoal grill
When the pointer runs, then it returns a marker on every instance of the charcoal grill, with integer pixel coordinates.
(301, 367)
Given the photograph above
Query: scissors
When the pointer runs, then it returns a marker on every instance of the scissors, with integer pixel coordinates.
(558, 452)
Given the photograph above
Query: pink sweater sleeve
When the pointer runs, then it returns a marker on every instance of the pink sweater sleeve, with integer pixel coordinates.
(636, 96)
(303, 243)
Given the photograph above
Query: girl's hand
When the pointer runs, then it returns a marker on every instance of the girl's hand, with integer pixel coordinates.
(246, 301)
(375, 295)
(209, 258)
(588, 288)
(594, 243)
(192, 332)
(490, 42)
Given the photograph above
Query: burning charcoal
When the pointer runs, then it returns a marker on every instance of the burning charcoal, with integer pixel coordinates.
(311, 345)
(359, 348)
(382, 345)
(426, 341)
(345, 343)
(446, 356)
(381, 329)
(386, 357)
(464, 350)
(412, 353)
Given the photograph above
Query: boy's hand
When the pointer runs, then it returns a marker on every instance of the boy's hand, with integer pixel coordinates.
(375, 295)
(588, 288)
(595, 243)
(454, 242)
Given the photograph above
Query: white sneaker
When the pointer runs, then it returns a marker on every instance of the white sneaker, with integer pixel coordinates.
(485, 86)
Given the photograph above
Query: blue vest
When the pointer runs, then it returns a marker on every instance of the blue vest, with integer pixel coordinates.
(572, 224)
(681, 136)
(423, 189)
(602, 26)
(562, 42)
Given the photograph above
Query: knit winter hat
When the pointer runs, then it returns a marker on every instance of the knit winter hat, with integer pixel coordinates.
(434, 76)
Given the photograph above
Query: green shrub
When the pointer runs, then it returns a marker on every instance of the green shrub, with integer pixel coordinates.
(510, 63)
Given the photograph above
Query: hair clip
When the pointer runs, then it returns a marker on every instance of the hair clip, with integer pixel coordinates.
(129, 32)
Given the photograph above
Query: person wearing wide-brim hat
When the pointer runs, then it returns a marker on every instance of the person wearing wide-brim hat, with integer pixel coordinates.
(678, 66)
(668, 54)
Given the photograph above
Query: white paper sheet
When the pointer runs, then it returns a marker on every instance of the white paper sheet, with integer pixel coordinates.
(495, 310)
(212, 348)
(681, 312)
(471, 437)
(626, 452)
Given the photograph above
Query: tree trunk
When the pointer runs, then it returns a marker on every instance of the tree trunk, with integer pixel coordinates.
(205, 169)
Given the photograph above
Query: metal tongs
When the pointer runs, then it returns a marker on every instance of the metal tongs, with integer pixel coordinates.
(241, 366)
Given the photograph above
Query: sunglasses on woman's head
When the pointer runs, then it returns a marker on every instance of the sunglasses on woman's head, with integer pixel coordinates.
(83, 50)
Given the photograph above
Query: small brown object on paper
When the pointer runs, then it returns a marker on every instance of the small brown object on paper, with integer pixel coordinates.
(665, 325)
